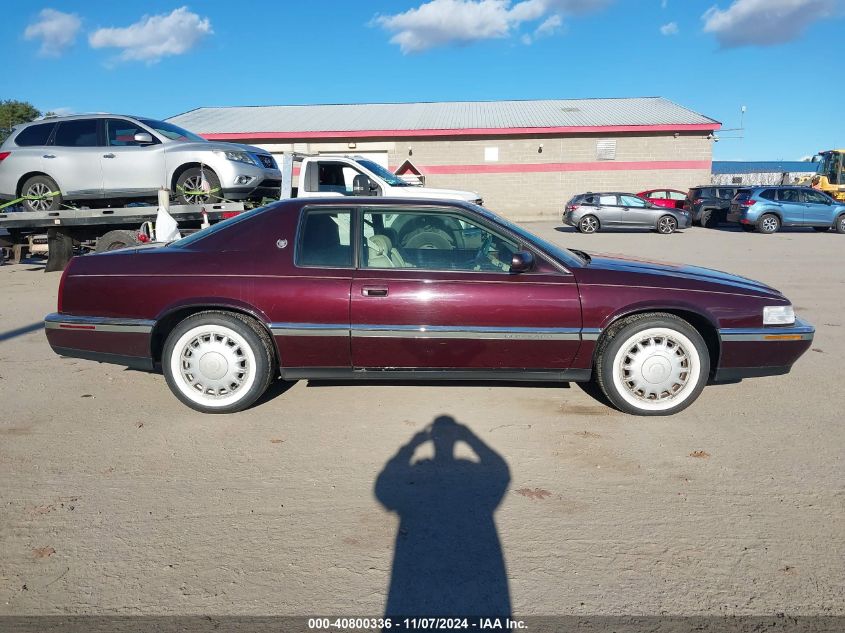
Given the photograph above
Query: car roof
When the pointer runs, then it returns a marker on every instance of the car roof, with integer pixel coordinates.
(385, 200)
(74, 117)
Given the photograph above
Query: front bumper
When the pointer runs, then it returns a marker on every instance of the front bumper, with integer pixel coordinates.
(764, 351)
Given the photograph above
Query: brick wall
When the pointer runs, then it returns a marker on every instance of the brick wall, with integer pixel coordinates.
(513, 186)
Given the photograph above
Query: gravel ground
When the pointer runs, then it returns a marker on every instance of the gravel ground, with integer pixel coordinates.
(116, 499)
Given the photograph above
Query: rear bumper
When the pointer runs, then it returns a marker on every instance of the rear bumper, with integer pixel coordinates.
(765, 351)
(119, 341)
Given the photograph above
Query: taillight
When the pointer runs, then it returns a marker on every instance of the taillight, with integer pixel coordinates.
(697, 200)
(749, 202)
(4, 155)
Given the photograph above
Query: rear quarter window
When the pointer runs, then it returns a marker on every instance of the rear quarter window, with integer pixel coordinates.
(767, 194)
(35, 135)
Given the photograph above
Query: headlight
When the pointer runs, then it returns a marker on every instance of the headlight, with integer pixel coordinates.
(778, 315)
(239, 157)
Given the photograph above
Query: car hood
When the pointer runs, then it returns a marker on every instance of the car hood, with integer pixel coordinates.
(447, 194)
(680, 271)
(207, 146)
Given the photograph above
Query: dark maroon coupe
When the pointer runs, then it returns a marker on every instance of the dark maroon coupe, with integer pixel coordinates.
(398, 289)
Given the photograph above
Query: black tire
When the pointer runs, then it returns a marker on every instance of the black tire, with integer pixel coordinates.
(589, 224)
(768, 223)
(705, 218)
(839, 227)
(666, 225)
(620, 390)
(821, 229)
(428, 237)
(260, 367)
(189, 180)
(116, 240)
(39, 186)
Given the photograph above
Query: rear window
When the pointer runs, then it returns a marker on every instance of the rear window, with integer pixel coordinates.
(768, 194)
(35, 135)
(79, 133)
(726, 194)
(742, 194)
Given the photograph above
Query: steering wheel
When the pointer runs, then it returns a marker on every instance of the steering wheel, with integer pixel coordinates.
(481, 256)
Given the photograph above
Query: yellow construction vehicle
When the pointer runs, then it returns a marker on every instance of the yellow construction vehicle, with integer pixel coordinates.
(830, 175)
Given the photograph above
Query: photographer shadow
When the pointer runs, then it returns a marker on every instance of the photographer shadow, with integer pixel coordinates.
(448, 559)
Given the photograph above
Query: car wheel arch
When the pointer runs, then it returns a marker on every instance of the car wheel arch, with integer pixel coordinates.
(22, 180)
(702, 322)
(174, 315)
(181, 169)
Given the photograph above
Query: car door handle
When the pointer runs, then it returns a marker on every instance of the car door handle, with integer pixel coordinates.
(49, 156)
(108, 155)
(374, 291)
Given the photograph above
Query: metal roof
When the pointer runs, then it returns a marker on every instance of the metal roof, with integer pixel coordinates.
(763, 166)
(454, 115)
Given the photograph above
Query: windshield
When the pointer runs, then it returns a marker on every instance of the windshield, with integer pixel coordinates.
(385, 174)
(830, 166)
(563, 255)
(173, 132)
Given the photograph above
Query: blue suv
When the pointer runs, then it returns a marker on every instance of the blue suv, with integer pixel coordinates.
(767, 209)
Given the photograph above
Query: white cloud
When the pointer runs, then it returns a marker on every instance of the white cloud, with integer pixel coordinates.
(764, 22)
(56, 30)
(669, 29)
(442, 22)
(154, 36)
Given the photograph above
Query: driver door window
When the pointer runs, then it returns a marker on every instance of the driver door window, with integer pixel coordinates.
(432, 241)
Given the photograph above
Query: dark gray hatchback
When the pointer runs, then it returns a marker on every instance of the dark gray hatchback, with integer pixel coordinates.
(591, 212)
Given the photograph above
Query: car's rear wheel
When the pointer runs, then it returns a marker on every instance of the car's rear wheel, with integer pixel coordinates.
(589, 224)
(41, 193)
(190, 190)
(218, 362)
(652, 364)
(666, 225)
(840, 224)
(705, 218)
(768, 223)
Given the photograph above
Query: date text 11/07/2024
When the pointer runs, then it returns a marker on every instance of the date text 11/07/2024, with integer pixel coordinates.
(415, 624)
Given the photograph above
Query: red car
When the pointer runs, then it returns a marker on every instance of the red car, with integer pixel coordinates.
(671, 198)
(379, 288)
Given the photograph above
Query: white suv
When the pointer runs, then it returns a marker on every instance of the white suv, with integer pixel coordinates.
(108, 158)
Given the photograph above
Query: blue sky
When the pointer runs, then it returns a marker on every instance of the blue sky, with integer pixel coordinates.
(782, 59)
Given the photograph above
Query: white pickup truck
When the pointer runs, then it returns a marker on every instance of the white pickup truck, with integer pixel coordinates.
(323, 175)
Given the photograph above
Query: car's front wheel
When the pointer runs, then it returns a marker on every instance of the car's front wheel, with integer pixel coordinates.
(652, 364)
(218, 362)
(666, 225)
(198, 186)
(840, 224)
(589, 224)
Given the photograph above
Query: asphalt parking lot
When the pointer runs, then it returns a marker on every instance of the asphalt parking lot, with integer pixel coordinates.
(117, 499)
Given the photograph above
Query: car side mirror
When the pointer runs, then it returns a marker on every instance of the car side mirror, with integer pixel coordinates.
(522, 262)
(144, 138)
(362, 186)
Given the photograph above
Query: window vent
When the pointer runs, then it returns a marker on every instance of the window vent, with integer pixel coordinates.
(606, 149)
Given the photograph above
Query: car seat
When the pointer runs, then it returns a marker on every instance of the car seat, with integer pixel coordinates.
(381, 253)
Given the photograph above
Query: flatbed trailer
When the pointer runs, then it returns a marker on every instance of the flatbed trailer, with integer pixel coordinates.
(67, 227)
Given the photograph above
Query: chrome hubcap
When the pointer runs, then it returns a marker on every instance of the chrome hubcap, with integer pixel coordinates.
(655, 368)
(589, 225)
(214, 364)
(194, 183)
(770, 225)
(666, 225)
(40, 191)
